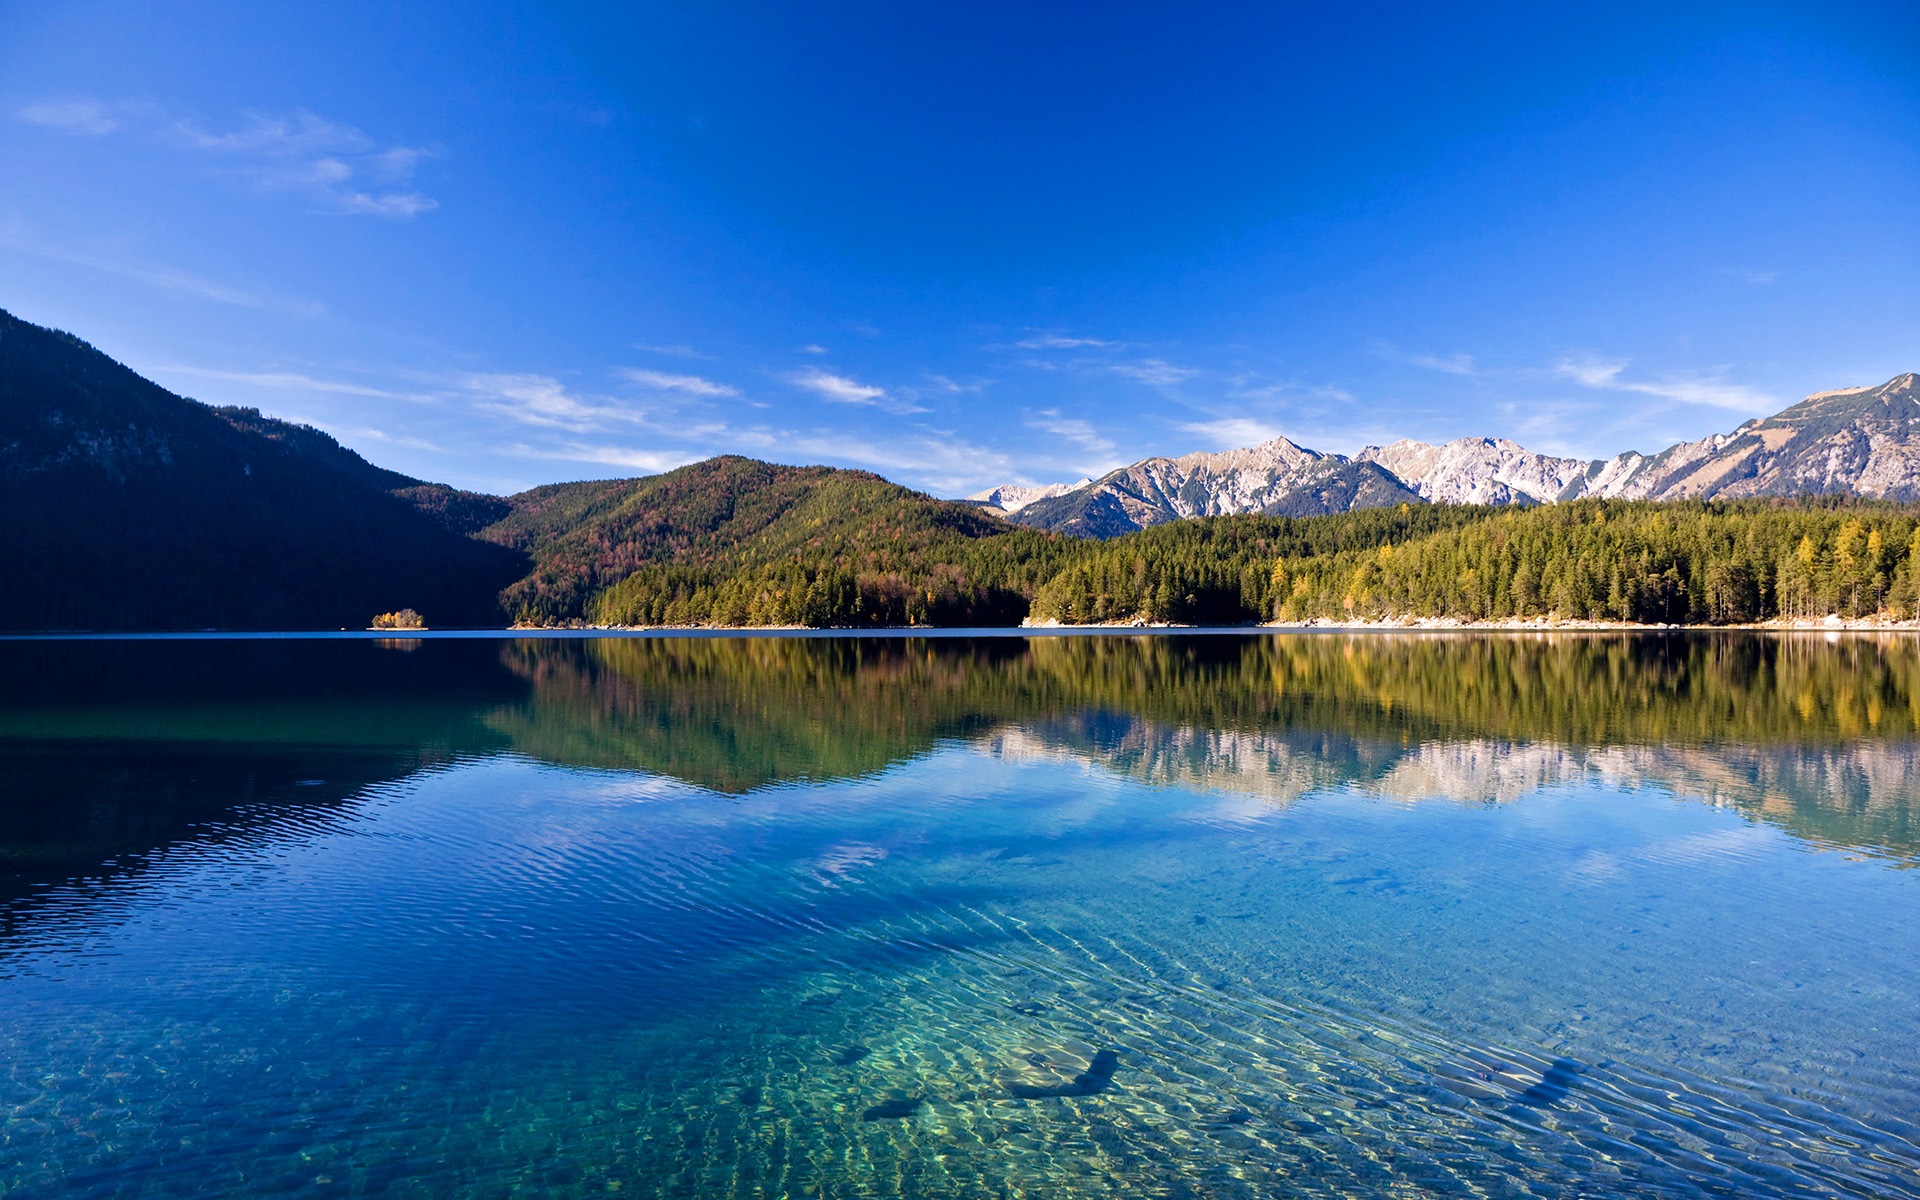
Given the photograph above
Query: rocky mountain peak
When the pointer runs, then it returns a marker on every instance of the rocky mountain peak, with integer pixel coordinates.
(1861, 440)
(1483, 470)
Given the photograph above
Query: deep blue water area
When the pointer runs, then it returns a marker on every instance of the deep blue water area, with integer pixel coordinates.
(1256, 915)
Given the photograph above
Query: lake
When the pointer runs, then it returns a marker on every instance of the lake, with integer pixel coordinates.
(1194, 916)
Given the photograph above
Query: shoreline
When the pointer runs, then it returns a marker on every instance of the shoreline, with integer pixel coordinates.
(1046, 629)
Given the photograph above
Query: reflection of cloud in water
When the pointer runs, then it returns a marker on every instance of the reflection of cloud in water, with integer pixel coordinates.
(1857, 795)
(1596, 866)
(1716, 847)
(841, 863)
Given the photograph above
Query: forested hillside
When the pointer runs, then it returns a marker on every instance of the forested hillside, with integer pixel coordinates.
(733, 541)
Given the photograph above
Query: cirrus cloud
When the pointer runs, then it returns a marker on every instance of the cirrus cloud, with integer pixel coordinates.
(336, 168)
(692, 385)
(1709, 388)
(840, 389)
(1155, 372)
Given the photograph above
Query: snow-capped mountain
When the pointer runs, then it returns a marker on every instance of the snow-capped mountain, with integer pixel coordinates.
(1478, 471)
(1862, 441)
(1276, 477)
(1012, 497)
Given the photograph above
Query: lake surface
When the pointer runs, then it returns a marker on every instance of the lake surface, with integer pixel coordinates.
(1149, 916)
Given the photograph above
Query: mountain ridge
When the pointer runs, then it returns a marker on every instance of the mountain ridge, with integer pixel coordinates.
(1862, 441)
(1275, 478)
(130, 507)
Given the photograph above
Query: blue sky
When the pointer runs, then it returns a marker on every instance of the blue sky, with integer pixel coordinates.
(973, 243)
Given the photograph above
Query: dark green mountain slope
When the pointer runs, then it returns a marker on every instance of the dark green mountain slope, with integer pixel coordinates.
(124, 506)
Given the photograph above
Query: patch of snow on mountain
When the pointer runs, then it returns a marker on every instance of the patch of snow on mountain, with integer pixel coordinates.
(1481, 470)
(1012, 497)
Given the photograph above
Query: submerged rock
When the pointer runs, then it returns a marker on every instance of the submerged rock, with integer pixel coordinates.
(1510, 1077)
(1553, 1085)
(895, 1109)
(1097, 1078)
(851, 1055)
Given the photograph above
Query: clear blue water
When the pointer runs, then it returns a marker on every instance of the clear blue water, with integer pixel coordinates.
(1243, 917)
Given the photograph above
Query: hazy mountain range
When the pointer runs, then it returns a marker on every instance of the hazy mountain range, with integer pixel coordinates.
(1859, 441)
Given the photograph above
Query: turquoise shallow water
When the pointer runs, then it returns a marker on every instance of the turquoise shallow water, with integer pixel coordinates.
(1147, 917)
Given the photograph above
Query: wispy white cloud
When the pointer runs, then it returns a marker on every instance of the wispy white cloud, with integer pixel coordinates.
(1757, 278)
(1590, 371)
(336, 168)
(1155, 372)
(299, 134)
(837, 388)
(1073, 429)
(1317, 415)
(1096, 452)
(1709, 388)
(692, 385)
(1542, 426)
(87, 117)
(813, 348)
(935, 459)
(1061, 341)
(932, 387)
(1450, 364)
(671, 351)
(1233, 433)
(355, 433)
(841, 389)
(532, 399)
(398, 205)
(114, 260)
(953, 387)
(631, 458)
(289, 381)
(1456, 364)
(1247, 388)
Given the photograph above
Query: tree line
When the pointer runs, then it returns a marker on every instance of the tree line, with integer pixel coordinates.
(909, 565)
(1715, 562)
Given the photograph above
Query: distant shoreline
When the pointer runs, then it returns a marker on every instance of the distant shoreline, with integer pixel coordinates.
(1432, 625)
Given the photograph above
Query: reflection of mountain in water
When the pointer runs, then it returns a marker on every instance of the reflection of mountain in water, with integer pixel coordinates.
(1816, 734)
(1855, 795)
(111, 752)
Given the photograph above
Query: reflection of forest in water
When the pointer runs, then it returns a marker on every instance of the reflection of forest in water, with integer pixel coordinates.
(112, 751)
(1811, 732)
